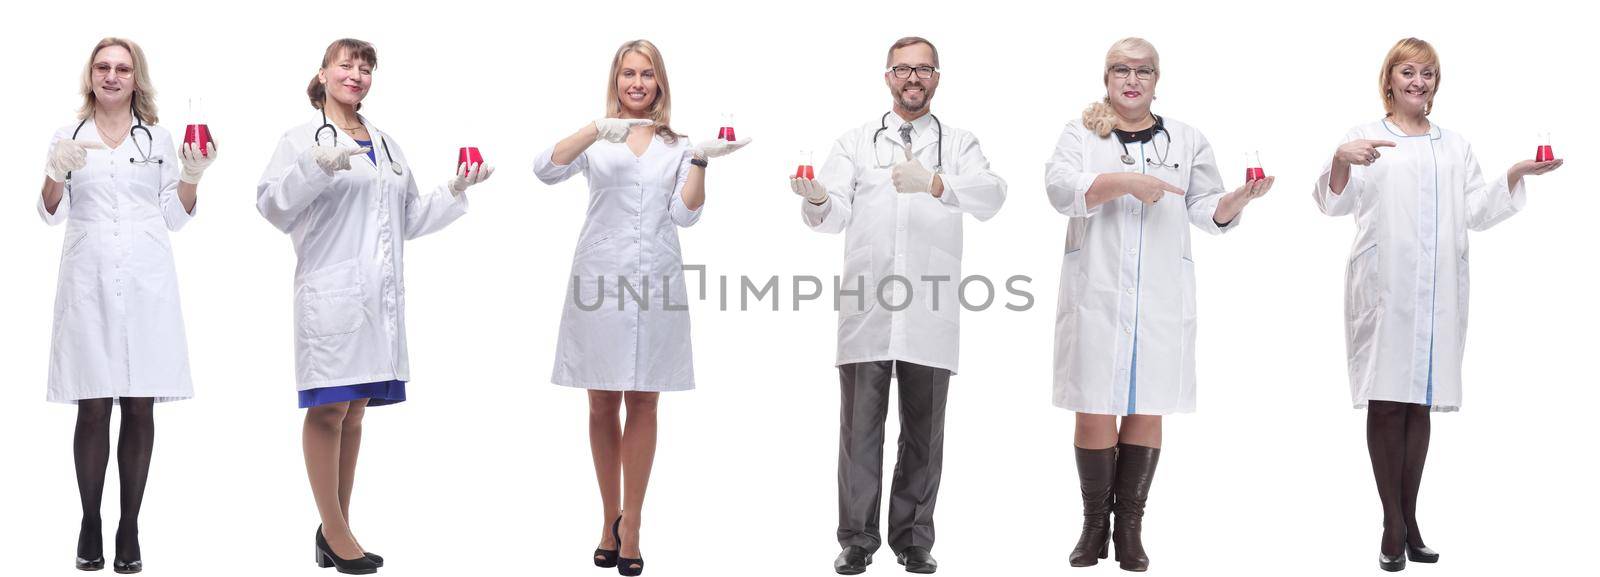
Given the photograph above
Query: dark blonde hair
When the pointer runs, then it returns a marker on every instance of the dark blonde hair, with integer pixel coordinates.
(144, 93)
(341, 47)
(910, 41)
(661, 107)
(1412, 50)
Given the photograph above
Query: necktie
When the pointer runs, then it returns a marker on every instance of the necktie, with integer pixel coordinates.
(905, 134)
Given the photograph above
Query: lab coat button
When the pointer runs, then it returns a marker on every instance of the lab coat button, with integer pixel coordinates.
(1127, 330)
(1130, 290)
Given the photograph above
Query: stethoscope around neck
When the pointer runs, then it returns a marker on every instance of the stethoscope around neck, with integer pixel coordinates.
(883, 124)
(1147, 135)
(133, 134)
(328, 126)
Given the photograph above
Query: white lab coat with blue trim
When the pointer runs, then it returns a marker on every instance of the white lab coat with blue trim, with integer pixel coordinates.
(1125, 318)
(118, 323)
(633, 336)
(1406, 279)
(348, 230)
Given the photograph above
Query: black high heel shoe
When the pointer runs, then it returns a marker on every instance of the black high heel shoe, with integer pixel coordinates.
(93, 546)
(1395, 563)
(625, 566)
(607, 558)
(362, 565)
(373, 557)
(134, 565)
(1421, 554)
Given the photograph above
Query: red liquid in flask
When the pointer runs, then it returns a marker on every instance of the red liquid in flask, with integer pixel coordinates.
(726, 133)
(201, 134)
(1545, 154)
(805, 171)
(469, 156)
(1254, 174)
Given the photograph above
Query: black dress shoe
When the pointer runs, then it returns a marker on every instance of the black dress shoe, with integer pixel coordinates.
(1421, 554)
(326, 558)
(853, 560)
(917, 559)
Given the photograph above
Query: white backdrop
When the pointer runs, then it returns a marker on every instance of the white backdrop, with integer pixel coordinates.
(486, 471)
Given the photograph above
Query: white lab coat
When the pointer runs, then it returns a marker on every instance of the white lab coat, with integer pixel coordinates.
(904, 249)
(625, 342)
(347, 229)
(1125, 318)
(118, 324)
(1406, 280)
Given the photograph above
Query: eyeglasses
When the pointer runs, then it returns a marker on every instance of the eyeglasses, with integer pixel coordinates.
(105, 69)
(903, 72)
(1121, 72)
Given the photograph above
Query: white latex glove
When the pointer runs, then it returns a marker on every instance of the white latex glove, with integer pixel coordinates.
(195, 162)
(336, 158)
(69, 155)
(809, 189)
(469, 175)
(911, 176)
(616, 129)
(718, 147)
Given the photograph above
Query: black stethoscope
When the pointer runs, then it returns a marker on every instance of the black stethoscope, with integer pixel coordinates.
(1143, 136)
(883, 124)
(328, 126)
(133, 134)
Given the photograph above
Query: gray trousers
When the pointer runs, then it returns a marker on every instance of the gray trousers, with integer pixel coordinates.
(863, 406)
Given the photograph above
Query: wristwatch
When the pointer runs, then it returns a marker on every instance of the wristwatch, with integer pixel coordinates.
(700, 162)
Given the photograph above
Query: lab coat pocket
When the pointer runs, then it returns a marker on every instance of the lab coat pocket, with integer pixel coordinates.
(331, 301)
(1364, 290)
(72, 244)
(589, 245)
(943, 301)
(160, 244)
(858, 292)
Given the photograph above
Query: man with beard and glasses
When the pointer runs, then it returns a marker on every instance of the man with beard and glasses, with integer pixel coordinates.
(897, 185)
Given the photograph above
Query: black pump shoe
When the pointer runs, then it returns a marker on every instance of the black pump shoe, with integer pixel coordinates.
(90, 532)
(1421, 554)
(127, 567)
(325, 558)
(1391, 564)
(607, 558)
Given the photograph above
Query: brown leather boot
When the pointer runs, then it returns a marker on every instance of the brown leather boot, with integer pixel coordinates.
(1135, 467)
(1097, 470)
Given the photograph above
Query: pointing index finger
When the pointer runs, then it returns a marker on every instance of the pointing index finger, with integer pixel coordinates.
(91, 144)
(1380, 143)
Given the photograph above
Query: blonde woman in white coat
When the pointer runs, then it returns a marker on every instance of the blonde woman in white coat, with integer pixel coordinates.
(345, 194)
(114, 179)
(625, 327)
(1132, 183)
(1415, 190)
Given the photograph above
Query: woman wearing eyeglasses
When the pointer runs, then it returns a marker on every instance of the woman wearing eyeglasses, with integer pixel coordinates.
(118, 338)
(1415, 190)
(1132, 183)
(645, 182)
(346, 195)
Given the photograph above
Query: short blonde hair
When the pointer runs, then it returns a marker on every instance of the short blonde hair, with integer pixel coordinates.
(1408, 50)
(661, 108)
(1099, 117)
(144, 93)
